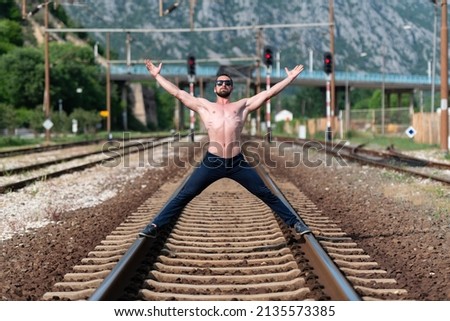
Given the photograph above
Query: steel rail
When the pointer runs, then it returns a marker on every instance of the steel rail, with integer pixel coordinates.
(375, 163)
(339, 287)
(18, 170)
(352, 154)
(18, 185)
(40, 149)
(115, 282)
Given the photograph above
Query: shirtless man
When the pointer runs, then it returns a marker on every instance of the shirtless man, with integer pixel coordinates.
(224, 121)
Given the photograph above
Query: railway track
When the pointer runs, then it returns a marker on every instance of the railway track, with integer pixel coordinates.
(23, 151)
(12, 181)
(45, 148)
(436, 171)
(227, 245)
(390, 159)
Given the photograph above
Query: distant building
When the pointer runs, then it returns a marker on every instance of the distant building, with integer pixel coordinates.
(284, 115)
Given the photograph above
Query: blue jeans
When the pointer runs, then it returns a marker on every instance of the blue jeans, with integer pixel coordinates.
(213, 168)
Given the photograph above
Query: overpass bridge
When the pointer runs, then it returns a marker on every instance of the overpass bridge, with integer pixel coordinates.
(393, 84)
(245, 74)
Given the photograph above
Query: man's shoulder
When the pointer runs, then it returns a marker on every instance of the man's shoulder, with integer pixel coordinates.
(240, 103)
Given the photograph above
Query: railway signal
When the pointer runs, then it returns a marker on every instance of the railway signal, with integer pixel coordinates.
(328, 68)
(191, 79)
(328, 63)
(268, 57)
(191, 65)
(268, 61)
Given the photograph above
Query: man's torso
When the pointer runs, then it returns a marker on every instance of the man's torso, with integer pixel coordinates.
(224, 124)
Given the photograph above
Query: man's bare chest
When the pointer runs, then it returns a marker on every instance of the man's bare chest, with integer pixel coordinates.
(222, 117)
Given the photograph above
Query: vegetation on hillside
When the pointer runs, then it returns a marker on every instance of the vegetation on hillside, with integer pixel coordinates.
(77, 82)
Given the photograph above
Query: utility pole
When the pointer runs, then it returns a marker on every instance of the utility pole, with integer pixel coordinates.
(128, 49)
(24, 9)
(191, 13)
(328, 68)
(191, 112)
(46, 101)
(433, 63)
(191, 69)
(268, 61)
(47, 74)
(108, 87)
(258, 77)
(383, 90)
(268, 108)
(332, 83)
(328, 133)
(444, 78)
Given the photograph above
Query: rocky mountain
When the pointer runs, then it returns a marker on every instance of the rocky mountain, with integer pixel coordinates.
(369, 34)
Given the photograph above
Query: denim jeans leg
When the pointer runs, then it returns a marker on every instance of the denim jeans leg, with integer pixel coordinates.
(206, 174)
(247, 176)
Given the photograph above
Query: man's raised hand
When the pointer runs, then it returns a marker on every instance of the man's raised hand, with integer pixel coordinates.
(294, 72)
(152, 68)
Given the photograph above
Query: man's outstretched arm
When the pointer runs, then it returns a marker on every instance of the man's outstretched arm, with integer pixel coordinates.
(187, 99)
(256, 101)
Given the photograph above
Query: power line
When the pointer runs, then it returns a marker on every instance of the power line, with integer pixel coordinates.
(178, 30)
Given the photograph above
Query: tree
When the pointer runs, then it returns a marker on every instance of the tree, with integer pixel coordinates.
(166, 107)
(10, 35)
(62, 123)
(8, 118)
(75, 68)
(309, 100)
(22, 77)
(36, 121)
(9, 10)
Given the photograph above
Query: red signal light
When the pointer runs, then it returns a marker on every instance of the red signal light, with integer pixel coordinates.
(268, 59)
(191, 65)
(328, 62)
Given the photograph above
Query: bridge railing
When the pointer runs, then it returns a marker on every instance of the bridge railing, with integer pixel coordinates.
(211, 71)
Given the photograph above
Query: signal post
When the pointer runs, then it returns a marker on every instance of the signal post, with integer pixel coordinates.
(268, 60)
(328, 68)
(445, 137)
(191, 79)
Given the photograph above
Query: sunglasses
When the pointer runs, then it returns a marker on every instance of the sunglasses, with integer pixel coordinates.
(221, 82)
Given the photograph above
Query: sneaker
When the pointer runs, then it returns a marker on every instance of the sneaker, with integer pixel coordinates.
(301, 228)
(149, 231)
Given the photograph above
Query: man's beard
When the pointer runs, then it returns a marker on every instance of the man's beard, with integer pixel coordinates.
(223, 95)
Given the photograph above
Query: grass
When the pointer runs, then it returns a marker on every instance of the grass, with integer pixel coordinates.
(12, 141)
(395, 176)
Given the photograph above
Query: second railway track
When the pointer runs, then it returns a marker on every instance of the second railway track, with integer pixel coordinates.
(16, 178)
